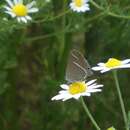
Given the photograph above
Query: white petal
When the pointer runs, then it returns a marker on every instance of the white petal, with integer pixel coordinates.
(18, 19)
(77, 96)
(16, 2)
(67, 98)
(7, 8)
(21, 1)
(33, 10)
(57, 97)
(86, 94)
(105, 70)
(121, 66)
(98, 68)
(10, 3)
(63, 92)
(101, 64)
(28, 18)
(126, 61)
(90, 82)
(124, 66)
(62, 96)
(94, 90)
(95, 86)
(23, 19)
(30, 5)
(64, 86)
(10, 13)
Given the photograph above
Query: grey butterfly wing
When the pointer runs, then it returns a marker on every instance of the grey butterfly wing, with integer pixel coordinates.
(77, 68)
(82, 62)
(73, 72)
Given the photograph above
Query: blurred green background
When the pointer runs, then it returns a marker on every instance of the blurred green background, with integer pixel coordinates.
(33, 60)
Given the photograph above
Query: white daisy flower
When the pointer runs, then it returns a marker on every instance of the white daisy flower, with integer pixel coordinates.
(77, 89)
(79, 5)
(111, 64)
(17, 9)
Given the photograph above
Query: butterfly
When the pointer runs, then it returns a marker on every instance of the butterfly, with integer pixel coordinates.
(78, 68)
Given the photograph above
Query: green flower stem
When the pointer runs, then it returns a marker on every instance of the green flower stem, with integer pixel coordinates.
(96, 5)
(89, 114)
(108, 11)
(121, 99)
(52, 18)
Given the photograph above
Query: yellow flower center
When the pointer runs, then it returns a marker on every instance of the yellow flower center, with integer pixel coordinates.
(112, 62)
(111, 128)
(20, 10)
(78, 3)
(77, 87)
